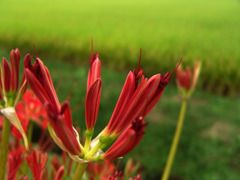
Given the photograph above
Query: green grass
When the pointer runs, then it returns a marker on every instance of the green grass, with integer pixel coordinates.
(166, 30)
(210, 141)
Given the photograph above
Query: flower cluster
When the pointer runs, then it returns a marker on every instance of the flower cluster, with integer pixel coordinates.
(122, 134)
(138, 97)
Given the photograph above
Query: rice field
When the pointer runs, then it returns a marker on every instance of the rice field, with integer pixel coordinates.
(207, 31)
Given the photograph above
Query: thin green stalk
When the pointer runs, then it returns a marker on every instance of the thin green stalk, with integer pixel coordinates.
(4, 147)
(174, 145)
(95, 149)
(29, 136)
(89, 134)
(81, 168)
(30, 131)
(87, 143)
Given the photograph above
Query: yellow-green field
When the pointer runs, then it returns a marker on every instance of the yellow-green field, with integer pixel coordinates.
(207, 31)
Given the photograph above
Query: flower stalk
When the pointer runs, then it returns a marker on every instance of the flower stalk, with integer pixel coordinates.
(81, 168)
(175, 141)
(89, 134)
(4, 147)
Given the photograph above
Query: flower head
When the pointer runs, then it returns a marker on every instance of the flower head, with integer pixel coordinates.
(139, 95)
(61, 128)
(37, 161)
(15, 159)
(186, 81)
(10, 91)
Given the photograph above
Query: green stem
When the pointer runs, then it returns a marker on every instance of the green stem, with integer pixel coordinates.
(88, 134)
(4, 147)
(81, 168)
(29, 137)
(174, 145)
(95, 149)
(30, 131)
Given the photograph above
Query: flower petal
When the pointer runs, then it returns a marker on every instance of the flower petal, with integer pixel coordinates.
(11, 115)
(92, 104)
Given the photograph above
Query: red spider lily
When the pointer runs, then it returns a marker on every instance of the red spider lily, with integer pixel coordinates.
(139, 95)
(10, 79)
(30, 108)
(10, 92)
(127, 140)
(93, 91)
(39, 80)
(37, 161)
(15, 159)
(116, 175)
(100, 170)
(57, 165)
(186, 81)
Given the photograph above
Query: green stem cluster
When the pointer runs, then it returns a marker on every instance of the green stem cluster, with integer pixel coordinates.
(90, 153)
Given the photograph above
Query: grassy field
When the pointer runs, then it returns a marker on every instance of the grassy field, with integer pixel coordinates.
(210, 142)
(207, 31)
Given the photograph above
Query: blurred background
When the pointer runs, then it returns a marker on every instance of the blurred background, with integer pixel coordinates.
(166, 30)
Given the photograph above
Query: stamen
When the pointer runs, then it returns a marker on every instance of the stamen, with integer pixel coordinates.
(92, 45)
(175, 68)
(140, 56)
(35, 50)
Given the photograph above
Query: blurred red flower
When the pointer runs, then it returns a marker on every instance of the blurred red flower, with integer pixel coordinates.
(30, 109)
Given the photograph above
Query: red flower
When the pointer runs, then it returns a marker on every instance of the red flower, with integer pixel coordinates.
(37, 161)
(30, 108)
(10, 92)
(58, 167)
(186, 81)
(11, 76)
(93, 92)
(127, 140)
(139, 95)
(39, 80)
(100, 170)
(15, 159)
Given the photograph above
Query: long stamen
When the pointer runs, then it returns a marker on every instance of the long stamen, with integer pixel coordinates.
(140, 56)
(175, 67)
(35, 50)
(92, 45)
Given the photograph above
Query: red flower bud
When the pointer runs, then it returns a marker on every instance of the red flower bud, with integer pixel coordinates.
(39, 80)
(93, 92)
(186, 81)
(127, 140)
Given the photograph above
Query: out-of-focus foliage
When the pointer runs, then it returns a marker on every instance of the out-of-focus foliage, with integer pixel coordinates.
(207, 31)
